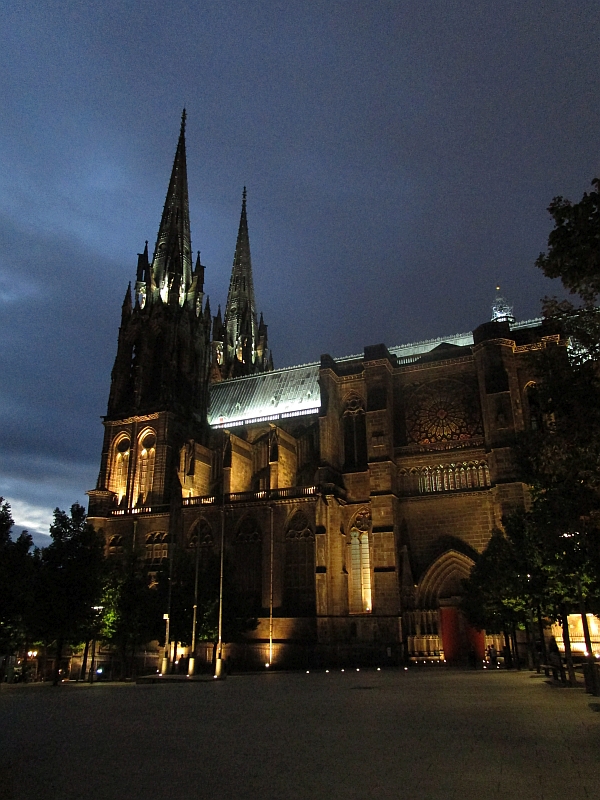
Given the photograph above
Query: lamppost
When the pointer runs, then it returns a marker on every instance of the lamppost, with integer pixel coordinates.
(167, 617)
(165, 661)
(192, 661)
(271, 593)
(219, 672)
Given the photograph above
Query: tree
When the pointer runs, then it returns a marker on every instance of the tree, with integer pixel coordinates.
(507, 583)
(132, 614)
(574, 245)
(70, 581)
(561, 459)
(17, 577)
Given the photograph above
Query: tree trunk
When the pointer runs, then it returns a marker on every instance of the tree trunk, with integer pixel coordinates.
(516, 646)
(530, 639)
(507, 652)
(567, 644)
(123, 659)
(588, 642)
(84, 661)
(58, 659)
(544, 650)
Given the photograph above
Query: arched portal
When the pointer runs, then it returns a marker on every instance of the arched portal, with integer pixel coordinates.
(440, 590)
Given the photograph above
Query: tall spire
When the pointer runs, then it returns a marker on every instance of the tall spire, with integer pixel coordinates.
(172, 262)
(241, 306)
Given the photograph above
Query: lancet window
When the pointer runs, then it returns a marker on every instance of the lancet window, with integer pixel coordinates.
(144, 474)
(120, 467)
(248, 562)
(157, 548)
(355, 435)
(299, 575)
(361, 600)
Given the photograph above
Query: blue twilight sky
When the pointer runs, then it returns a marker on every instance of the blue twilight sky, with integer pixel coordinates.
(399, 159)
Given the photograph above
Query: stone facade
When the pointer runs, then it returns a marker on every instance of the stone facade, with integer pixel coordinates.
(353, 493)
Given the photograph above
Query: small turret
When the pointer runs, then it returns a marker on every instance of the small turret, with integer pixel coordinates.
(501, 310)
(199, 273)
(127, 307)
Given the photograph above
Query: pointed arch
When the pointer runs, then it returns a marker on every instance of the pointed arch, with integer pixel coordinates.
(299, 567)
(144, 469)
(119, 470)
(360, 583)
(355, 434)
(247, 555)
(443, 578)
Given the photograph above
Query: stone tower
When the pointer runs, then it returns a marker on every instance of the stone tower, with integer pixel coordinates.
(159, 389)
(239, 341)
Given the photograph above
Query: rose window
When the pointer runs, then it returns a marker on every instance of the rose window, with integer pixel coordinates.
(444, 411)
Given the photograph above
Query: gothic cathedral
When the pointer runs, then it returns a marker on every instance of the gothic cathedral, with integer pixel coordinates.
(353, 494)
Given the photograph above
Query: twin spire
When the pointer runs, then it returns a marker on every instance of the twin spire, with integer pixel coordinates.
(172, 262)
(241, 340)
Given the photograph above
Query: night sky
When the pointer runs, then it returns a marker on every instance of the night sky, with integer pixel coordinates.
(399, 159)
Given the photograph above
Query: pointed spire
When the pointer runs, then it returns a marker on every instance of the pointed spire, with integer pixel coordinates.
(172, 255)
(142, 268)
(199, 274)
(241, 306)
(127, 305)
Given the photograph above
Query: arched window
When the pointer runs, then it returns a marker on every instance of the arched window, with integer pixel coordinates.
(200, 533)
(536, 418)
(115, 545)
(361, 600)
(157, 548)
(299, 571)
(248, 562)
(150, 547)
(120, 467)
(355, 436)
(144, 473)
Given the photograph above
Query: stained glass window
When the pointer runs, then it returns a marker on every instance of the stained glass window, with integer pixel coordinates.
(443, 411)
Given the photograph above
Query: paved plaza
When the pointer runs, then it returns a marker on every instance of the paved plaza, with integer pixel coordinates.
(428, 733)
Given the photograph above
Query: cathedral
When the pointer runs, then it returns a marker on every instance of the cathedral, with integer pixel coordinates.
(351, 495)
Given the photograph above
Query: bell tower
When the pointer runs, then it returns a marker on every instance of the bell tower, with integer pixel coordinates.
(159, 383)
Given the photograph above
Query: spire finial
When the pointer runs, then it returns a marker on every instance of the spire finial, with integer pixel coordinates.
(183, 119)
(244, 196)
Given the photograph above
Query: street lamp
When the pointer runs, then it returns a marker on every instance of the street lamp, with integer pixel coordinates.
(219, 672)
(165, 661)
(192, 661)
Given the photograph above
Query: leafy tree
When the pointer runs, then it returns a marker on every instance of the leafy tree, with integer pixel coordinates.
(507, 584)
(70, 581)
(18, 565)
(561, 459)
(574, 245)
(131, 613)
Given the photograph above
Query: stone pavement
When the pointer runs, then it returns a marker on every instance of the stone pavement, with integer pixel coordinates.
(421, 734)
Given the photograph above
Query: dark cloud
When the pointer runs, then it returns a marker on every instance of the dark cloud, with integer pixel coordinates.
(399, 159)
